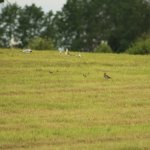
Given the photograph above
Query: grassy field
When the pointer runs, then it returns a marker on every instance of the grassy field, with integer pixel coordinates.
(47, 103)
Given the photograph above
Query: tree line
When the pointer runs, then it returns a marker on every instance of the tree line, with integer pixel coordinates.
(81, 25)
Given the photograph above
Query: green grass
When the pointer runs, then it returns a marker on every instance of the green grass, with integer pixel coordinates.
(47, 103)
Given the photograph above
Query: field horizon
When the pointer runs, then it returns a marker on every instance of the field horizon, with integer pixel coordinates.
(52, 101)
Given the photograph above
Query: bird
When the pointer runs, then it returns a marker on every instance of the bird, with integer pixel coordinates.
(84, 75)
(50, 72)
(106, 76)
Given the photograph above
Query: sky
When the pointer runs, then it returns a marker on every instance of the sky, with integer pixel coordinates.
(47, 5)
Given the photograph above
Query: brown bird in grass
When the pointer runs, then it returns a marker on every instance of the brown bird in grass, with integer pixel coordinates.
(106, 76)
(84, 75)
(50, 72)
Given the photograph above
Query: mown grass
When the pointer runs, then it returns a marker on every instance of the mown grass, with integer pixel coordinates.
(47, 103)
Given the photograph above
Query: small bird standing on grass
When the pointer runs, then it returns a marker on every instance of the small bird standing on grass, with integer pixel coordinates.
(106, 76)
(84, 75)
(50, 72)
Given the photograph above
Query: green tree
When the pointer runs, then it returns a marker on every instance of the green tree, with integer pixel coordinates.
(25, 24)
(70, 26)
(129, 19)
(1, 1)
(9, 23)
(103, 47)
(30, 23)
(83, 24)
(140, 46)
(41, 44)
(48, 30)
